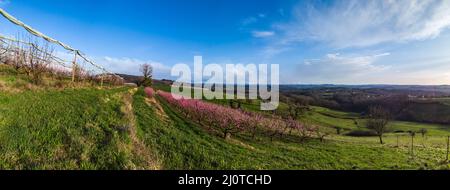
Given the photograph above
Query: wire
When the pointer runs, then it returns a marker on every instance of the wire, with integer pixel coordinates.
(39, 34)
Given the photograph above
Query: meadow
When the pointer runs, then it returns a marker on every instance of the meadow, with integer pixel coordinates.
(82, 127)
(183, 144)
(429, 152)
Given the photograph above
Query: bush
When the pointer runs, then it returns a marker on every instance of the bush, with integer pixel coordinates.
(146, 82)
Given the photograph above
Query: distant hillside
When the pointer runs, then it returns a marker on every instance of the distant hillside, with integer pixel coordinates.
(137, 79)
(422, 88)
(131, 78)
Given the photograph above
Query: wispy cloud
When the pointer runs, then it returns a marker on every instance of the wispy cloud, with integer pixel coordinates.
(358, 23)
(123, 65)
(262, 34)
(337, 68)
(270, 51)
(253, 19)
(249, 20)
(131, 66)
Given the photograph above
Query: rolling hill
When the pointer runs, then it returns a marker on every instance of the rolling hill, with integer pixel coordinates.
(87, 127)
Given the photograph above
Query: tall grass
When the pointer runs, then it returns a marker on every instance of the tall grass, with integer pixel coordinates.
(182, 144)
(70, 129)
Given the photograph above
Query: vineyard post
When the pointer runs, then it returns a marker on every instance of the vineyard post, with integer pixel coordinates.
(412, 145)
(74, 66)
(101, 80)
(448, 145)
(397, 141)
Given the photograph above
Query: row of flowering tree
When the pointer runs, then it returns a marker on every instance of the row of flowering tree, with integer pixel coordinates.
(230, 121)
(150, 92)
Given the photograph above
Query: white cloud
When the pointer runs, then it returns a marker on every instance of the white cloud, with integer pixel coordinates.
(270, 51)
(122, 65)
(64, 55)
(434, 70)
(359, 23)
(336, 68)
(253, 19)
(131, 66)
(249, 20)
(262, 34)
(370, 69)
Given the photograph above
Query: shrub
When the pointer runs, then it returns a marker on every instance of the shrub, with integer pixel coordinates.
(146, 82)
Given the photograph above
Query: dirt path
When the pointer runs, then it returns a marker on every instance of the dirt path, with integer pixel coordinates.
(151, 101)
(144, 157)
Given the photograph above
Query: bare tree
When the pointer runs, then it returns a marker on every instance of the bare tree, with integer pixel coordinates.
(321, 134)
(37, 61)
(19, 56)
(423, 131)
(3, 52)
(412, 134)
(338, 130)
(378, 119)
(297, 109)
(147, 71)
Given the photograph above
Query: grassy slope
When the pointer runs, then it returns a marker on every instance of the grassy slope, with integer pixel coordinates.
(331, 118)
(184, 145)
(69, 129)
(89, 129)
(49, 126)
(346, 120)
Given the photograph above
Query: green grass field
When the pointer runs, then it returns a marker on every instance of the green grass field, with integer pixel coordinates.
(181, 144)
(70, 129)
(331, 118)
(120, 128)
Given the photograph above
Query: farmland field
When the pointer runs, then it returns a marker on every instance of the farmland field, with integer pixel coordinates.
(124, 128)
(225, 94)
(186, 146)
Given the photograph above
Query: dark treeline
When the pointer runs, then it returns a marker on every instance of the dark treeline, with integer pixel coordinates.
(421, 105)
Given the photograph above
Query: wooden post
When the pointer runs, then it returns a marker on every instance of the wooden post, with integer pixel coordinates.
(412, 145)
(101, 82)
(397, 142)
(74, 66)
(448, 145)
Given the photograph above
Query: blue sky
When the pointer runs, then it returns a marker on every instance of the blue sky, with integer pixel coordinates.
(341, 42)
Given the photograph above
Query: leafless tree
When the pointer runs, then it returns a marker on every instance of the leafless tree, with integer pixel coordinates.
(38, 59)
(147, 71)
(378, 119)
(338, 130)
(91, 77)
(297, 109)
(423, 131)
(321, 134)
(3, 51)
(19, 55)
